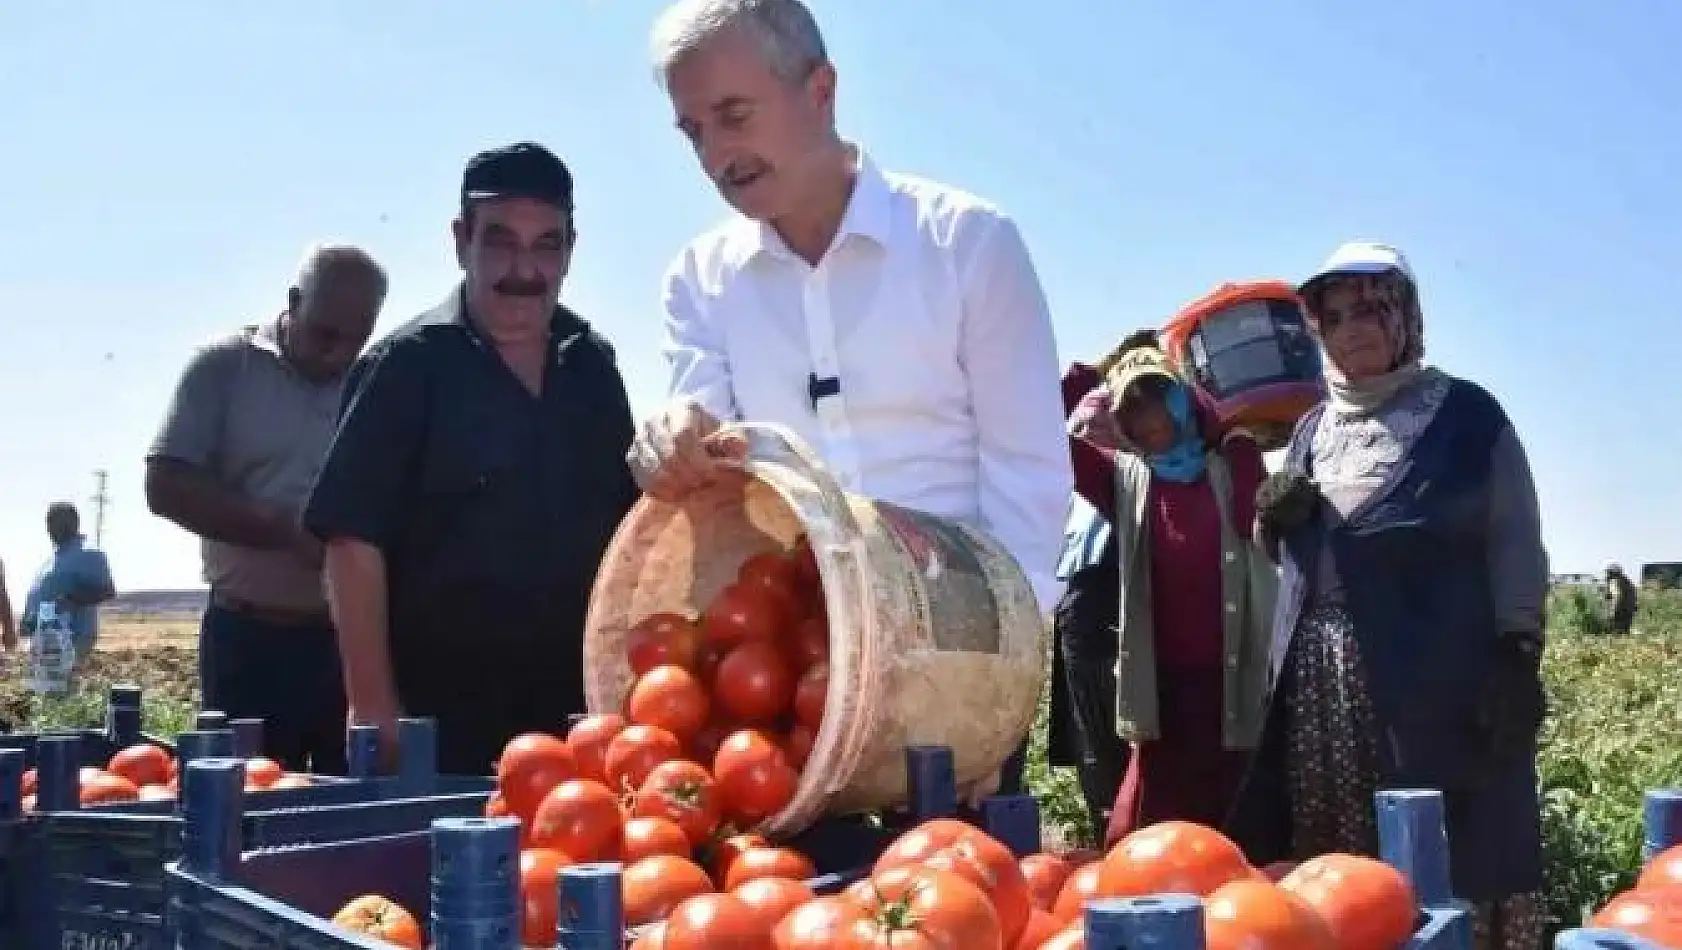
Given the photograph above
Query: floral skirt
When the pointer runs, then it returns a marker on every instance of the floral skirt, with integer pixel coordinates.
(1332, 771)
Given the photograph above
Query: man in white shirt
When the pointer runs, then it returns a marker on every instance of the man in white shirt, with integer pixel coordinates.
(895, 324)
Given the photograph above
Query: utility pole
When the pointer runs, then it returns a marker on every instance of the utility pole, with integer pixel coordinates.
(101, 500)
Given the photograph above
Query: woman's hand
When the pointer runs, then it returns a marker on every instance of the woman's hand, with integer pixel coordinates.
(1513, 702)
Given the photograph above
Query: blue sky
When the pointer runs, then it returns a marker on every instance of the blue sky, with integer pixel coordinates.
(165, 164)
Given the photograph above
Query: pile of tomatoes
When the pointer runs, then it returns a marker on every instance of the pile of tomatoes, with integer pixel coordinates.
(145, 772)
(1652, 909)
(755, 659)
(944, 885)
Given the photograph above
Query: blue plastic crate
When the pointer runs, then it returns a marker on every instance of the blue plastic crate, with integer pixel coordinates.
(104, 879)
(281, 898)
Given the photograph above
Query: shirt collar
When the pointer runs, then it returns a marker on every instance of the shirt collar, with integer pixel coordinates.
(867, 216)
(73, 543)
(266, 337)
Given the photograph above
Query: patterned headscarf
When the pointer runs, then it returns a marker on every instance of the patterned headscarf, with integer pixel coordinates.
(1396, 298)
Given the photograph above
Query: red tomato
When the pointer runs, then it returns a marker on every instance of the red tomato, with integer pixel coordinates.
(635, 752)
(382, 919)
(581, 819)
(1171, 857)
(811, 693)
(103, 788)
(1046, 874)
(1081, 887)
(756, 863)
(927, 909)
(1368, 904)
(727, 851)
(531, 766)
(261, 772)
(672, 698)
(142, 764)
(776, 575)
(810, 643)
(661, 639)
(646, 837)
(739, 614)
(1041, 927)
(817, 925)
(754, 776)
(1260, 915)
(588, 739)
(714, 922)
(31, 781)
(798, 745)
(991, 867)
(753, 683)
(653, 886)
(540, 871)
(1654, 915)
(920, 843)
(1665, 870)
(681, 792)
(770, 899)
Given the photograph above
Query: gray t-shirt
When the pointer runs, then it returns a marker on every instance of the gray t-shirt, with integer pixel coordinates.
(242, 415)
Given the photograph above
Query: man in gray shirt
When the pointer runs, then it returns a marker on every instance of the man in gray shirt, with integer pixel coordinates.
(247, 430)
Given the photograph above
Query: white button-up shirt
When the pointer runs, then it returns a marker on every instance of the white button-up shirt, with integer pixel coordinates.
(927, 311)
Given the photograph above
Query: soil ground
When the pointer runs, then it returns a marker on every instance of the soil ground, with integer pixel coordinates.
(157, 653)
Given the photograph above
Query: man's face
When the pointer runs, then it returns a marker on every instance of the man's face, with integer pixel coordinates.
(515, 252)
(330, 326)
(754, 132)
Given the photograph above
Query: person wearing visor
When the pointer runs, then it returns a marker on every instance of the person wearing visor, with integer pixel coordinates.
(1411, 602)
(1195, 598)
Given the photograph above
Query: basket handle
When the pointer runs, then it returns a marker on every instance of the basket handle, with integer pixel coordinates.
(774, 446)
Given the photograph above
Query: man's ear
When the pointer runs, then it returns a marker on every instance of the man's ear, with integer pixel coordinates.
(463, 237)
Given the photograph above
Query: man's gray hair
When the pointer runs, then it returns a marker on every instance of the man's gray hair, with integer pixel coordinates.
(328, 257)
(785, 30)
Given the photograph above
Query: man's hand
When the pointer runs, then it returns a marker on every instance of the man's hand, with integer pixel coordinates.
(681, 449)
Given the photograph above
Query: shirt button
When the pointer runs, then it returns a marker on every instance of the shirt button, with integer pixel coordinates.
(1231, 556)
(1231, 607)
(1231, 662)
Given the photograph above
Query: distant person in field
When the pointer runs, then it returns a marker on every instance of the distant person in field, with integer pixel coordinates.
(895, 324)
(241, 444)
(8, 623)
(1621, 599)
(1412, 595)
(477, 477)
(76, 579)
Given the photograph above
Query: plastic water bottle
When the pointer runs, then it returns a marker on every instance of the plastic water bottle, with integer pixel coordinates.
(51, 653)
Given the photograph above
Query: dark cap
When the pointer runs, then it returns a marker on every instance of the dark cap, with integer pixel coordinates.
(521, 170)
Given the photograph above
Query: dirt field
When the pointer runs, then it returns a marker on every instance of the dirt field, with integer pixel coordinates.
(156, 653)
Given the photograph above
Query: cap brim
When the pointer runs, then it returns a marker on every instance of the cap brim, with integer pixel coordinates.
(495, 194)
(1348, 270)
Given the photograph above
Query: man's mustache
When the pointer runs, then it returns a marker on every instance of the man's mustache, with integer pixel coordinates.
(517, 287)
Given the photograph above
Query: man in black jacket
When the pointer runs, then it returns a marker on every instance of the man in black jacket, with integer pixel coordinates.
(475, 481)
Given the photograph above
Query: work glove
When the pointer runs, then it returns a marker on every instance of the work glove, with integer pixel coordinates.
(1512, 702)
(1284, 502)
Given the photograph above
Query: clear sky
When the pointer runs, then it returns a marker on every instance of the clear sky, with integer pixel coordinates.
(164, 164)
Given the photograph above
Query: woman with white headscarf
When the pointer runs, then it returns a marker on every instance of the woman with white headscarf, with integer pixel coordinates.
(1409, 633)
